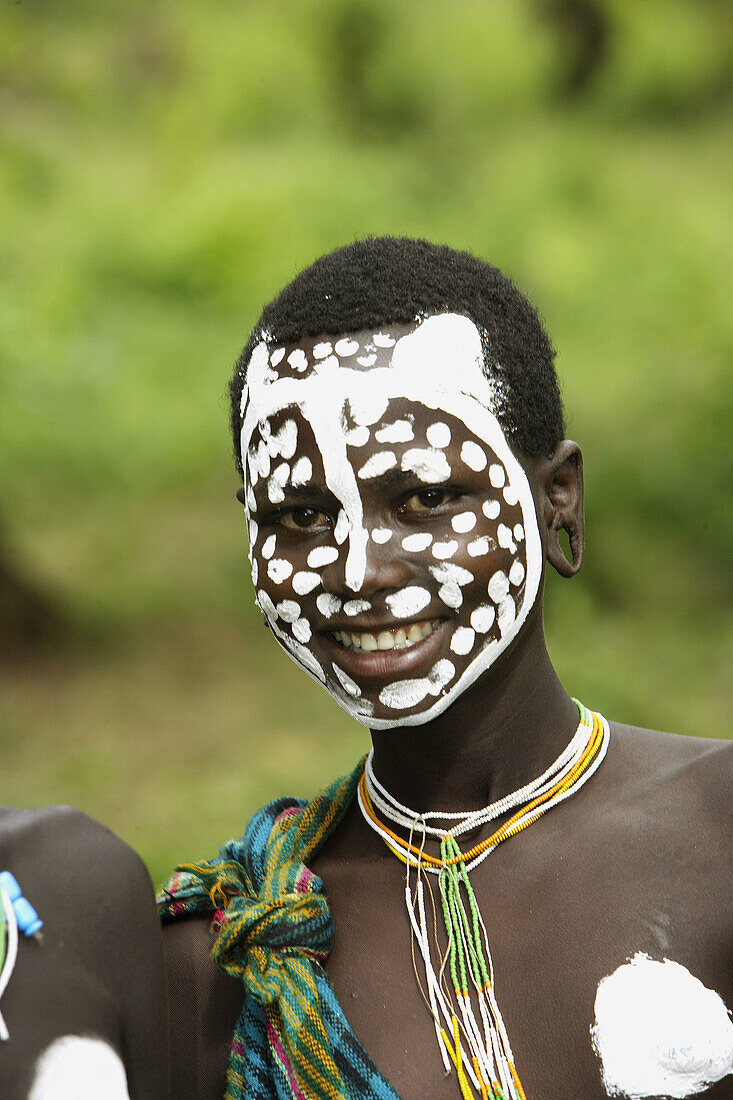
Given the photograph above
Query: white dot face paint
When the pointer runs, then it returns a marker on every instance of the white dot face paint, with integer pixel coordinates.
(417, 542)
(659, 1031)
(497, 475)
(322, 555)
(438, 435)
(305, 581)
(430, 465)
(356, 607)
(79, 1067)
(378, 464)
(302, 472)
(463, 522)
(278, 570)
(408, 602)
(399, 432)
(382, 534)
(346, 432)
(473, 455)
(444, 549)
(328, 605)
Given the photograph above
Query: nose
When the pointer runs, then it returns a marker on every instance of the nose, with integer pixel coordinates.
(382, 572)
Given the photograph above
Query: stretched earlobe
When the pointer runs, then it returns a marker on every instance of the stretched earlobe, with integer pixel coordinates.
(563, 482)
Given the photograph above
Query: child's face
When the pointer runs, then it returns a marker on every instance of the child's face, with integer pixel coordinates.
(393, 538)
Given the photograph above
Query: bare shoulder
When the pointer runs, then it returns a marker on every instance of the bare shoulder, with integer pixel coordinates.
(204, 1004)
(693, 772)
(91, 890)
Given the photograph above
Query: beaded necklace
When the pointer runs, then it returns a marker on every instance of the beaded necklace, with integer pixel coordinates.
(487, 1063)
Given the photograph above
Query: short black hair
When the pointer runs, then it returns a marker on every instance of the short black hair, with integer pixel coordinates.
(383, 280)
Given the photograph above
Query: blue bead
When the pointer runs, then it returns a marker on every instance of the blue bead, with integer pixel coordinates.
(28, 919)
(9, 883)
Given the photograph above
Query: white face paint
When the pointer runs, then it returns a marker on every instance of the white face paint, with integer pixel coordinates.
(659, 1031)
(342, 426)
(78, 1067)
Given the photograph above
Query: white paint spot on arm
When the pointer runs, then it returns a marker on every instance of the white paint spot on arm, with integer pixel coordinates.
(328, 605)
(378, 464)
(438, 435)
(408, 601)
(431, 466)
(80, 1068)
(278, 570)
(322, 555)
(497, 475)
(304, 582)
(382, 534)
(659, 1031)
(464, 522)
(302, 471)
(473, 455)
(399, 432)
(417, 542)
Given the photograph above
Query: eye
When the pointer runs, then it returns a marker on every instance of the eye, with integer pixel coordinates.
(427, 500)
(304, 519)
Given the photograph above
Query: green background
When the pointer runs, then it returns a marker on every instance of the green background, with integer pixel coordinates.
(165, 168)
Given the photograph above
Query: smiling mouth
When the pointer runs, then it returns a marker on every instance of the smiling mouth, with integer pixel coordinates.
(397, 638)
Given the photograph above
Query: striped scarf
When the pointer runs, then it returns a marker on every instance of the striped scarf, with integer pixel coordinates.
(274, 931)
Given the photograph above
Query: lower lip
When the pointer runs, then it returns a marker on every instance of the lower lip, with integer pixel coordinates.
(384, 664)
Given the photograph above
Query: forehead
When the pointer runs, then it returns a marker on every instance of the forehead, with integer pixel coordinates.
(437, 361)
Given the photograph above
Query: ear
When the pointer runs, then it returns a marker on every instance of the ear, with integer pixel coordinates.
(240, 494)
(561, 476)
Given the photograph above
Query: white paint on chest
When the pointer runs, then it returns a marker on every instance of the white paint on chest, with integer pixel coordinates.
(79, 1068)
(659, 1031)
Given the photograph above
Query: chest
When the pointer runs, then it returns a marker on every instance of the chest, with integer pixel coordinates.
(558, 920)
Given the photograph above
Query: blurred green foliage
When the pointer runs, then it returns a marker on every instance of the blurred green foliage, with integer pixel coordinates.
(165, 167)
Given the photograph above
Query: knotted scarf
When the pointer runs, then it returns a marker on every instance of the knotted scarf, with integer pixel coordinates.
(274, 931)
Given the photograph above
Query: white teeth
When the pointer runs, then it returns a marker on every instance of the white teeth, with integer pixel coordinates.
(399, 638)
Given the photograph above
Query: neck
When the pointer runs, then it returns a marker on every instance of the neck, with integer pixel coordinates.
(504, 731)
